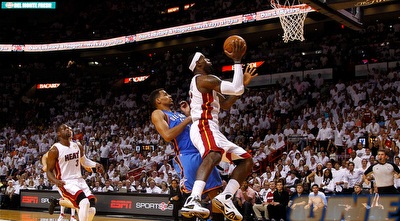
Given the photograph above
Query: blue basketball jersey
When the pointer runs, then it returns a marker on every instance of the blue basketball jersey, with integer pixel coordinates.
(188, 158)
(182, 142)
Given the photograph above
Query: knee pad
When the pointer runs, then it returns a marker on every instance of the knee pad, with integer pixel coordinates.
(84, 203)
(80, 197)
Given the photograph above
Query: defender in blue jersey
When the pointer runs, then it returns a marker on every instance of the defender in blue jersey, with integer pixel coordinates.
(175, 127)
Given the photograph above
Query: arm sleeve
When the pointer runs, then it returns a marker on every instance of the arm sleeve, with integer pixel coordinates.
(368, 170)
(87, 162)
(395, 168)
(236, 86)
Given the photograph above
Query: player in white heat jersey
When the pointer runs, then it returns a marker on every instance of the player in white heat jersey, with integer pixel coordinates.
(64, 169)
(207, 94)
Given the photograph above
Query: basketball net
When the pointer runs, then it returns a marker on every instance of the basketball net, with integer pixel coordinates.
(291, 15)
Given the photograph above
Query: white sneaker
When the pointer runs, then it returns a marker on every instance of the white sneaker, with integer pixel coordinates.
(73, 218)
(61, 217)
(224, 203)
(193, 207)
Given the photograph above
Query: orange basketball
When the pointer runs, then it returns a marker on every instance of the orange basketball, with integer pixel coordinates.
(229, 41)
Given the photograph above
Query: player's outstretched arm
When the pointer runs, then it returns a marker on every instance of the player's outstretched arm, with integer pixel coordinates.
(162, 127)
(226, 102)
(87, 163)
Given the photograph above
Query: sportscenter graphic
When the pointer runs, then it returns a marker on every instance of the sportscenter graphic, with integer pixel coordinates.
(131, 203)
(364, 208)
(161, 206)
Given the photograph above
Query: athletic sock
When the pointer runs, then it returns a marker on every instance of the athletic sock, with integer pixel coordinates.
(198, 188)
(231, 187)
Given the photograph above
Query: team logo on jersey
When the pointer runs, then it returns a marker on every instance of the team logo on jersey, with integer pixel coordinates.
(72, 156)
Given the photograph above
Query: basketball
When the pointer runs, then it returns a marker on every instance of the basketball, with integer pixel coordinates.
(228, 47)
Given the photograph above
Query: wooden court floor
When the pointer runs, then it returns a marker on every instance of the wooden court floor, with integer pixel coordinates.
(21, 215)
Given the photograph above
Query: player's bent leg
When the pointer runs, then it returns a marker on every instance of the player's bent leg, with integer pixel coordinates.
(66, 203)
(73, 217)
(92, 209)
(53, 204)
(84, 205)
(61, 217)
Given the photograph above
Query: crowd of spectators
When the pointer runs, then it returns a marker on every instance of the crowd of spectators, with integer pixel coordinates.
(336, 131)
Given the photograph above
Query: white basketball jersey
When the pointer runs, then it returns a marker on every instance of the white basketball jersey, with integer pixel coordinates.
(204, 106)
(68, 164)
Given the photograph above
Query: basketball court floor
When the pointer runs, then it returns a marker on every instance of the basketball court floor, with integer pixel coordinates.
(21, 215)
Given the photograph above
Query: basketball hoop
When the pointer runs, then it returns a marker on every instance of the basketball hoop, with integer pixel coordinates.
(291, 15)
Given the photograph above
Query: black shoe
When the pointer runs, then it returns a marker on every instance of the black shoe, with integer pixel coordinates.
(53, 203)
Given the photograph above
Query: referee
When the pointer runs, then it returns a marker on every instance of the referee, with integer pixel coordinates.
(383, 173)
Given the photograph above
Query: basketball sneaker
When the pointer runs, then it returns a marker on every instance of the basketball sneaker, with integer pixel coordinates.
(73, 218)
(193, 207)
(224, 203)
(53, 203)
(61, 217)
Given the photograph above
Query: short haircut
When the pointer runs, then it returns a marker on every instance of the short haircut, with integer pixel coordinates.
(385, 151)
(59, 127)
(153, 96)
(314, 185)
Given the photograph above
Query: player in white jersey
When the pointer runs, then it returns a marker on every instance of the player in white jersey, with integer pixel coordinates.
(207, 95)
(55, 202)
(64, 170)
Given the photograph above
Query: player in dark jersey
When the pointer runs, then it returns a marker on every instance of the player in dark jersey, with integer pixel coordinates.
(175, 127)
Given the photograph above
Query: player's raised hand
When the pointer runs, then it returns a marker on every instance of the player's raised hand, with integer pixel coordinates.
(238, 50)
(249, 74)
(185, 107)
(99, 168)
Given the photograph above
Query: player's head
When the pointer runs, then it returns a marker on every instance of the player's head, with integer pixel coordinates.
(64, 131)
(198, 61)
(193, 59)
(156, 94)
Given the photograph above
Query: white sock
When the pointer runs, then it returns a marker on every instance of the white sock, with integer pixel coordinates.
(62, 209)
(231, 187)
(72, 212)
(198, 188)
(84, 210)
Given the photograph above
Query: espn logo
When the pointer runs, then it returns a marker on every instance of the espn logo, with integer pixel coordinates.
(30, 199)
(119, 204)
